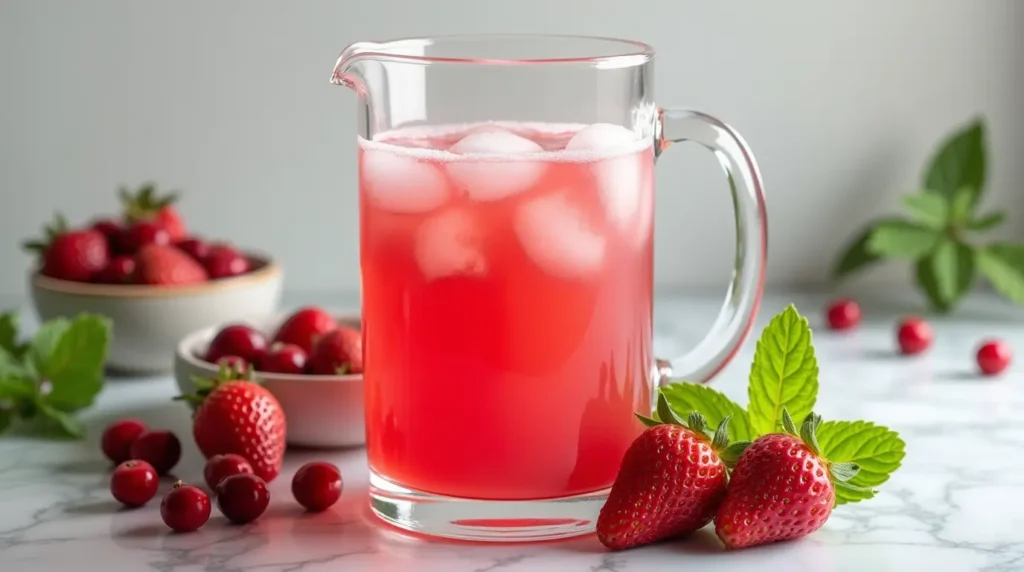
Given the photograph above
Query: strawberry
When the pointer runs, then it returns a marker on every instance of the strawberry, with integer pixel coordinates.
(670, 483)
(781, 488)
(304, 326)
(146, 204)
(74, 255)
(163, 265)
(337, 352)
(234, 414)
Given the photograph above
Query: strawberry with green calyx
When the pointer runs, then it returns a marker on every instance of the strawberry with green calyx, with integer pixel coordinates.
(147, 204)
(75, 255)
(782, 487)
(233, 413)
(670, 483)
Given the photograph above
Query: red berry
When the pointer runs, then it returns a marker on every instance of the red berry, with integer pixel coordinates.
(118, 437)
(994, 356)
(109, 228)
(336, 351)
(283, 358)
(233, 362)
(141, 233)
(222, 261)
(158, 448)
(914, 335)
(195, 248)
(242, 498)
(148, 204)
(185, 508)
(120, 270)
(317, 485)
(843, 314)
(76, 256)
(134, 483)
(220, 467)
(304, 326)
(237, 340)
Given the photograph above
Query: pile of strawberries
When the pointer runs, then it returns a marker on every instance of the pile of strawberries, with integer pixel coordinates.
(148, 244)
(310, 341)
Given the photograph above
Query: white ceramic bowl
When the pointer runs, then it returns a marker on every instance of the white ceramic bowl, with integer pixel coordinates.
(323, 411)
(148, 321)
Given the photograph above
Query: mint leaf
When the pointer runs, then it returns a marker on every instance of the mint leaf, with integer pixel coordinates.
(928, 208)
(9, 334)
(1003, 265)
(685, 397)
(45, 341)
(11, 367)
(73, 359)
(876, 450)
(59, 422)
(784, 375)
(924, 274)
(902, 239)
(953, 266)
(16, 389)
(986, 222)
(959, 162)
(961, 206)
(856, 256)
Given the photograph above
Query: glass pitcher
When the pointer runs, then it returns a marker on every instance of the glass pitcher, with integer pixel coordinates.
(506, 196)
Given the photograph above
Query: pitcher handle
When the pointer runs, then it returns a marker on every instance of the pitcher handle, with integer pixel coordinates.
(744, 294)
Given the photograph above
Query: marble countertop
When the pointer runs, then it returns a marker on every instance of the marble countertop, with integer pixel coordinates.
(956, 505)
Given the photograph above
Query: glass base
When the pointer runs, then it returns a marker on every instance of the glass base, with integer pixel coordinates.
(484, 520)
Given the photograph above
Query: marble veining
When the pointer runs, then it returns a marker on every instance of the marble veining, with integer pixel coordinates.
(956, 505)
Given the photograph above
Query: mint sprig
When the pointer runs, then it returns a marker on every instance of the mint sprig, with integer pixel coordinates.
(58, 372)
(937, 232)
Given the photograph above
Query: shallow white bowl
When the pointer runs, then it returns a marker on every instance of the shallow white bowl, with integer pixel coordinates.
(324, 411)
(148, 321)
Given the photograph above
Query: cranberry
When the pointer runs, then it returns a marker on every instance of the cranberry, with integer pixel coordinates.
(119, 270)
(118, 437)
(283, 358)
(304, 326)
(337, 351)
(140, 234)
(195, 248)
(843, 314)
(134, 483)
(220, 467)
(237, 340)
(317, 485)
(242, 498)
(222, 261)
(185, 508)
(109, 228)
(914, 335)
(158, 448)
(994, 356)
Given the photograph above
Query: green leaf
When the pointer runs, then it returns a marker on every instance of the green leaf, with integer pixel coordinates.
(961, 206)
(16, 389)
(809, 432)
(953, 266)
(9, 333)
(986, 222)
(924, 274)
(647, 421)
(45, 341)
(1003, 265)
(877, 450)
(60, 422)
(856, 256)
(784, 373)
(732, 453)
(6, 418)
(721, 438)
(787, 423)
(73, 359)
(959, 162)
(697, 423)
(844, 471)
(666, 414)
(928, 208)
(902, 239)
(715, 406)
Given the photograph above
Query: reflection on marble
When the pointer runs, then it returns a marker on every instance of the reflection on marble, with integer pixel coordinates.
(956, 505)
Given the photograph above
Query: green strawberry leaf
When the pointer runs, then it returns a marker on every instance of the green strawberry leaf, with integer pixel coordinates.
(666, 414)
(1003, 265)
(986, 222)
(856, 256)
(902, 239)
(71, 354)
(784, 375)
(876, 450)
(45, 342)
(685, 397)
(959, 162)
(928, 208)
(647, 421)
(844, 471)
(952, 263)
(924, 274)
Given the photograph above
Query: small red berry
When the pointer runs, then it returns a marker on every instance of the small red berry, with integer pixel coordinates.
(914, 335)
(283, 358)
(134, 483)
(843, 314)
(195, 248)
(109, 228)
(994, 356)
(220, 467)
(118, 437)
(339, 350)
(234, 363)
(317, 485)
(242, 498)
(158, 448)
(222, 261)
(304, 326)
(237, 340)
(120, 270)
(185, 508)
(144, 232)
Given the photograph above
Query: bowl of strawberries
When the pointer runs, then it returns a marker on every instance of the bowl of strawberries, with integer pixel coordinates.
(310, 359)
(152, 278)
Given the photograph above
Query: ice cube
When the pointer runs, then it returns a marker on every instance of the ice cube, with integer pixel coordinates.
(501, 170)
(402, 183)
(618, 177)
(450, 243)
(645, 214)
(555, 235)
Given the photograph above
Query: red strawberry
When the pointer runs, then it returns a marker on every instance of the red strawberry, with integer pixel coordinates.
(141, 233)
(304, 326)
(147, 204)
(338, 351)
(120, 270)
(237, 415)
(781, 488)
(163, 265)
(223, 261)
(670, 483)
(71, 255)
(110, 228)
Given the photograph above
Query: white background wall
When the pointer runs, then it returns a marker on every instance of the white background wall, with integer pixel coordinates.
(229, 101)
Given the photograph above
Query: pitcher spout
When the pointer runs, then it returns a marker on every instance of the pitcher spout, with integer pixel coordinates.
(346, 69)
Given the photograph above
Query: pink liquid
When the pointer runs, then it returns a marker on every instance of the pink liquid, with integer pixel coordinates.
(507, 311)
